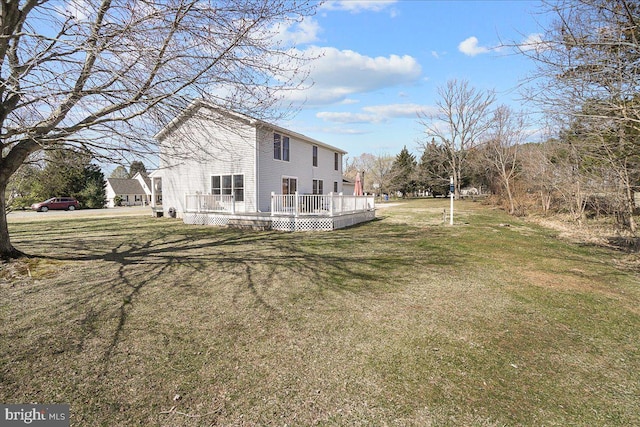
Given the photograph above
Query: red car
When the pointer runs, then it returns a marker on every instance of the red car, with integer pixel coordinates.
(65, 203)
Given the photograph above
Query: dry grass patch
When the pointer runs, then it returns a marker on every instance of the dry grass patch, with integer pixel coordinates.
(401, 321)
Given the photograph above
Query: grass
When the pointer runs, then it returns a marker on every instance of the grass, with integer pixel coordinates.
(402, 321)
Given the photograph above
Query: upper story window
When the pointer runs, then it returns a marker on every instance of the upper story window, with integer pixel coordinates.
(315, 155)
(336, 161)
(277, 146)
(280, 147)
(285, 148)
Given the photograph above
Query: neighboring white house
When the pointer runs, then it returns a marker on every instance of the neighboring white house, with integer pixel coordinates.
(206, 150)
(135, 191)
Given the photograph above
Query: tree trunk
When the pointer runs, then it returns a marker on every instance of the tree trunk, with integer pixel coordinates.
(629, 207)
(512, 207)
(7, 251)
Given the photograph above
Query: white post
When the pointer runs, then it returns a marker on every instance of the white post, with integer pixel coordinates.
(331, 203)
(153, 192)
(297, 204)
(273, 202)
(451, 192)
(233, 204)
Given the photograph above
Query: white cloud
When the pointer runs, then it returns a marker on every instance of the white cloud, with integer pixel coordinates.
(356, 6)
(338, 74)
(470, 47)
(349, 101)
(296, 33)
(76, 9)
(533, 42)
(398, 110)
(376, 113)
(346, 117)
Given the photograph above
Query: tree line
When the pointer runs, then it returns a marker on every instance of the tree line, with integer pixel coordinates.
(586, 88)
(57, 173)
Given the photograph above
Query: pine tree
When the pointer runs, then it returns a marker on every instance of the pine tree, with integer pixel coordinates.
(93, 195)
(403, 170)
(70, 172)
(432, 173)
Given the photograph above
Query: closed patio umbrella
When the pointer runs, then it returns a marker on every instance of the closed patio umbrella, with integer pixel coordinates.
(358, 190)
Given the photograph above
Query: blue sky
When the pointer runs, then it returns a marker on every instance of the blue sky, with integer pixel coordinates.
(384, 60)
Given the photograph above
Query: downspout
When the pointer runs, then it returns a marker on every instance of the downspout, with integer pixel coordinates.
(256, 157)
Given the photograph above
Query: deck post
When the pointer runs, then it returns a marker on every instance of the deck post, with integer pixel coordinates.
(233, 203)
(331, 203)
(297, 204)
(273, 202)
(153, 193)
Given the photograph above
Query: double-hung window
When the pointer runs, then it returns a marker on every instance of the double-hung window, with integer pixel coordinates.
(277, 146)
(336, 161)
(318, 186)
(315, 155)
(281, 147)
(226, 185)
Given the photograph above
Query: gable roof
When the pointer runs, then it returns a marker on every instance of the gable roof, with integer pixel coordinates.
(198, 103)
(144, 180)
(125, 186)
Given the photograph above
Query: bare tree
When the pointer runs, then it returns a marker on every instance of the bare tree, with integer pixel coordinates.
(501, 151)
(377, 170)
(463, 116)
(539, 172)
(102, 76)
(588, 70)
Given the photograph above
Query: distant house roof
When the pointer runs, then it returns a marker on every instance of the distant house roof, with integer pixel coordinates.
(143, 177)
(125, 186)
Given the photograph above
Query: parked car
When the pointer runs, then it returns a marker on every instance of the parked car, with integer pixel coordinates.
(66, 203)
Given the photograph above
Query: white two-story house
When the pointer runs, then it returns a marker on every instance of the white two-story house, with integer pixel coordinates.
(209, 151)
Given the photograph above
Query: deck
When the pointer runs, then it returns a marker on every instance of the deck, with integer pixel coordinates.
(289, 212)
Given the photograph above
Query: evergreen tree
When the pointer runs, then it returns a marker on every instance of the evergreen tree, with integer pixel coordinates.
(403, 170)
(93, 195)
(70, 172)
(63, 174)
(432, 173)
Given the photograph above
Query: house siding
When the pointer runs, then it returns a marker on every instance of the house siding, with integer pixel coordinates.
(200, 148)
(205, 141)
(271, 171)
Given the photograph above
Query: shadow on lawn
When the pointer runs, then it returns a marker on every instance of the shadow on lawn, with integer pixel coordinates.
(351, 260)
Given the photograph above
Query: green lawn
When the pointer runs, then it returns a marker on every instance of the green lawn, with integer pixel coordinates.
(402, 321)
